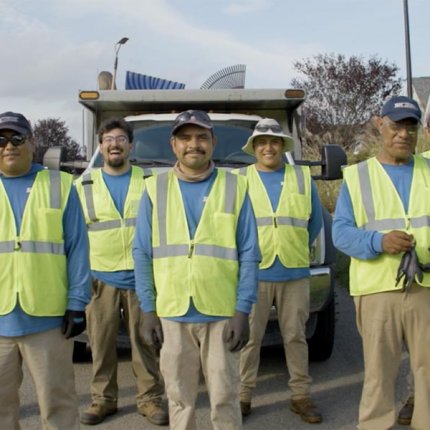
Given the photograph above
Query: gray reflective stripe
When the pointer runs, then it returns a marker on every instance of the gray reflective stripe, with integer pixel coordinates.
(282, 220)
(206, 250)
(162, 182)
(230, 192)
(300, 179)
(364, 180)
(170, 251)
(55, 189)
(423, 221)
(130, 222)
(87, 183)
(165, 250)
(266, 220)
(295, 222)
(147, 172)
(42, 247)
(111, 224)
(216, 251)
(243, 170)
(7, 246)
(385, 224)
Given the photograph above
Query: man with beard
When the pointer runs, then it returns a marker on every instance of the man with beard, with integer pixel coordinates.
(110, 198)
(196, 254)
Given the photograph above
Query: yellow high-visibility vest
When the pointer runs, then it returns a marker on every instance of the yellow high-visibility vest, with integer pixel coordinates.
(205, 268)
(283, 232)
(377, 206)
(110, 234)
(33, 260)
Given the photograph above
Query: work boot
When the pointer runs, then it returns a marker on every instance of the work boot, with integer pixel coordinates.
(96, 413)
(405, 414)
(155, 412)
(307, 410)
(245, 408)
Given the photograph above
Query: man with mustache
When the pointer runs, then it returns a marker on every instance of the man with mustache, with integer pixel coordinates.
(196, 256)
(110, 198)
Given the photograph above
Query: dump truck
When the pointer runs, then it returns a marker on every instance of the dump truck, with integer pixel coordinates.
(234, 113)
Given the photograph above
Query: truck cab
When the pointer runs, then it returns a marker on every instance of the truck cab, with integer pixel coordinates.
(234, 113)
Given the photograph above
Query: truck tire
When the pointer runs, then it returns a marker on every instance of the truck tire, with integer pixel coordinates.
(321, 343)
(330, 250)
(81, 352)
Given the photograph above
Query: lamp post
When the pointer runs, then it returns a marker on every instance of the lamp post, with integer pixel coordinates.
(408, 49)
(117, 47)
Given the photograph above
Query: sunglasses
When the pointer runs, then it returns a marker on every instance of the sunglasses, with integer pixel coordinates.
(263, 128)
(16, 140)
(196, 115)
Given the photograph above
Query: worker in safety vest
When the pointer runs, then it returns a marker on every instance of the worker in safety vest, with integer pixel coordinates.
(45, 279)
(110, 198)
(405, 413)
(289, 218)
(382, 213)
(196, 256)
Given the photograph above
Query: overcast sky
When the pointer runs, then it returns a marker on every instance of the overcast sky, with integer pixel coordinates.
(51, 49)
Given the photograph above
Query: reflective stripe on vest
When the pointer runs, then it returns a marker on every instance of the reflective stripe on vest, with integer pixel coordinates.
(282, 232)
(377, 207)
(110, 233)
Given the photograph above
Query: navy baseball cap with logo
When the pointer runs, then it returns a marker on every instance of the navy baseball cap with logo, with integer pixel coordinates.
(16, 122)
(401, 107)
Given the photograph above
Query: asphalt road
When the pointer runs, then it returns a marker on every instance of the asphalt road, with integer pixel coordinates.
(336, 388)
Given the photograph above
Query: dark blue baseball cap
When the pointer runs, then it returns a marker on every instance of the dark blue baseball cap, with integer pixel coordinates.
(401, 107)
(16, 122)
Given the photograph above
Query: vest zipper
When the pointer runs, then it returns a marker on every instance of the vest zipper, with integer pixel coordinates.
(275, 223)
(190, 252)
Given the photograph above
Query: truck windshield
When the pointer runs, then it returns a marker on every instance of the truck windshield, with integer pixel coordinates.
(151, 145)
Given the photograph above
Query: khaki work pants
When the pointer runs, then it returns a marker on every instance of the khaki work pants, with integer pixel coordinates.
(103, 321)
(291, 300)
(187, 349)
(385, 321)
(48, 357)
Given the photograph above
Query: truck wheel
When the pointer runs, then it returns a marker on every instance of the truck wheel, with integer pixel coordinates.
(321, 343)
(81, 352)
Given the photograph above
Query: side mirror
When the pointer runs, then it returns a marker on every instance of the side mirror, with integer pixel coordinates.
(53, 157)
(333, 158)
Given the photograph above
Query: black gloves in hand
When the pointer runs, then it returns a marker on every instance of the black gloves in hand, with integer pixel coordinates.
(74, 323)
(152, 330)
(236, 332)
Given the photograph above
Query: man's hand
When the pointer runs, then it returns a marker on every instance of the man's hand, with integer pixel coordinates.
(74, 323)
(152, 330)
(396, 242)
(236, 332)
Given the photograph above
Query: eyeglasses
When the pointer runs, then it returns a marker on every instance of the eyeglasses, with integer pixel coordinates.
(193, 115)
(115, 139)
(16, 140)
(397, 127)
(275, 128)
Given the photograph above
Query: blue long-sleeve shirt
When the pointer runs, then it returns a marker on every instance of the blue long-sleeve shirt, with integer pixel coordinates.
(277, 272)
(17, 322)
(359, 243)
(193, 196)
(118, 188)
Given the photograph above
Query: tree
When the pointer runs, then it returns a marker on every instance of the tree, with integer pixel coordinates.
(54, 132)
(344, 93)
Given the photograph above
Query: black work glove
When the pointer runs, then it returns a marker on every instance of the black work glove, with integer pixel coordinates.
(152, 330)
(236, 332)
(74, 323)
(409, 268)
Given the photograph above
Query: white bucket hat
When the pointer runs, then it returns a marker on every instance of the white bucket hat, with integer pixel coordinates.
(268, 127)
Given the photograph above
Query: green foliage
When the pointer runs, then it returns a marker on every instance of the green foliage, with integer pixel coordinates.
(54, 132)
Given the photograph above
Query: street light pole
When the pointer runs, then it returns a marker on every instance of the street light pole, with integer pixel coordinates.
(408, 49)
(117, 47)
